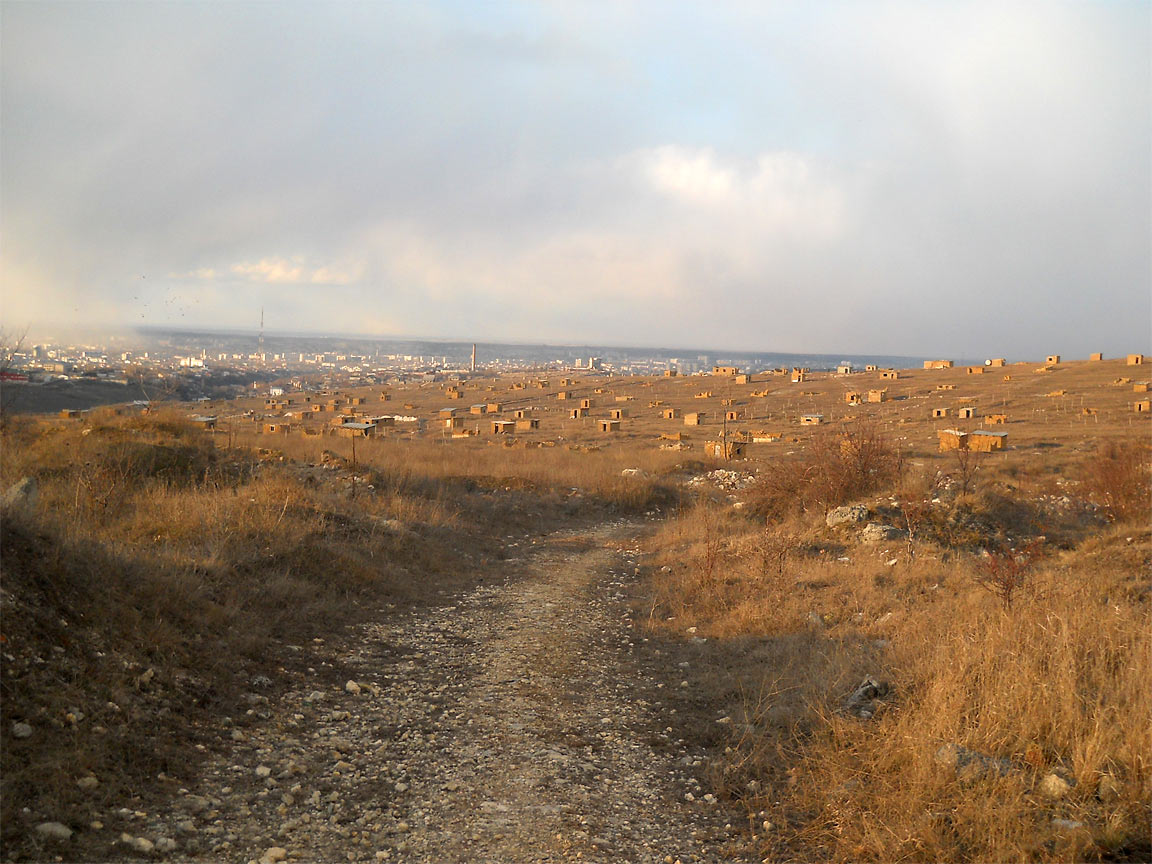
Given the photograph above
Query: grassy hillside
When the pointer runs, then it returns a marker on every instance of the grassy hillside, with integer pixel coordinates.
(150, 577)
(1004, 647)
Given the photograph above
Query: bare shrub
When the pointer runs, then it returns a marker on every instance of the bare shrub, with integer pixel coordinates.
(835, 469)
(1006, 572)
(1118, 478)
(966, 463)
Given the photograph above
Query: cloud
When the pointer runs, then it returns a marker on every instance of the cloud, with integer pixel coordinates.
(292, 271)
(694, 176)
(889, 177)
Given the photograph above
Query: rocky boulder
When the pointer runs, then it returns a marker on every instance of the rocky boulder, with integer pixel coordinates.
(21, 494)
(867, 699)
(875, 532)
(852, 515)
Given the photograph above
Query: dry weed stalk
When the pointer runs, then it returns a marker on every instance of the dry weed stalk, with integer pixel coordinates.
(1005, 573)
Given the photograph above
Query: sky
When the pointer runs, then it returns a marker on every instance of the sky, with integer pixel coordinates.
(918, 178)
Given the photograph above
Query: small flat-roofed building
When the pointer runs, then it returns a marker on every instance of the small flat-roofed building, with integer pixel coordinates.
(952, 439)
(204, 421)
(617, 413)
(985, 442)
(565, 382)
(383, 420)
(445, 413)
(454, 394)
(520, 413)
(995, 419)
(939, 412)
(852, 397)
(385, 396)
(503, 427)
(1140, 387)
(743, 379)
(276, 428)
(725, 449)
(495, 407)
(1052, 359)
(877, 395)
(478, 409)
(577, 413)
(563, 394)
(453, 422)
(1142, 407)
(799, 376)
(975, 370)
(726, 370)
(731, 416)
(1135, 359)
(966, 413)
(997, 362)
(889, 374)
(703, 394)
(871, 367)
(356, 430)
(670, 413)
(670, 373)
(844, 369)
(937, 364)
(587, 403)
(527, 424)
(695, 418)
(1096, 357)
(811, 419)
(945, 386)
(609, 425)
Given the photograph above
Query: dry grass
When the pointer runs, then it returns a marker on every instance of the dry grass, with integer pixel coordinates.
(154, 547)
(1055, 683)
(425, 463)
(151, 552)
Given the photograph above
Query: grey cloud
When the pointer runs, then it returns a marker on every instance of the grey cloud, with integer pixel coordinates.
(974, 176)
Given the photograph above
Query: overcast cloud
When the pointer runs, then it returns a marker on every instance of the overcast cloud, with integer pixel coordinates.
(860, 177)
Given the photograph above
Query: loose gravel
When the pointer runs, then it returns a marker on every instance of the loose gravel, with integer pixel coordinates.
(515, 723)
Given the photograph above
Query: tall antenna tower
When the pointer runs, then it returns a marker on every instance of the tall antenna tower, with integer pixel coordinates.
(260, 343)
(473, 356)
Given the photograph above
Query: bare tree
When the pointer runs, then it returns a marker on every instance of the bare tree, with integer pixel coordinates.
(967, 464)
(10, 345)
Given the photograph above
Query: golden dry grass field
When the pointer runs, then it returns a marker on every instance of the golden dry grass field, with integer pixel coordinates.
(997, 602)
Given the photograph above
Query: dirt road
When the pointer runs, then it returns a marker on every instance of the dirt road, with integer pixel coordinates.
(515, 723)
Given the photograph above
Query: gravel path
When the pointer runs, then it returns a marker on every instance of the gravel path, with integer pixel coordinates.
(516, 724)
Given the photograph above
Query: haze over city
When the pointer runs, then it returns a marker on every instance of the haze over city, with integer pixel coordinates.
(892, 178)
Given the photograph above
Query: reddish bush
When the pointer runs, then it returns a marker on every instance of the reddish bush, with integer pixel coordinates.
(1118, 477)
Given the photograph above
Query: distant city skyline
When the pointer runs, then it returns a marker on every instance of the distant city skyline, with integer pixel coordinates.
(877, 178)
